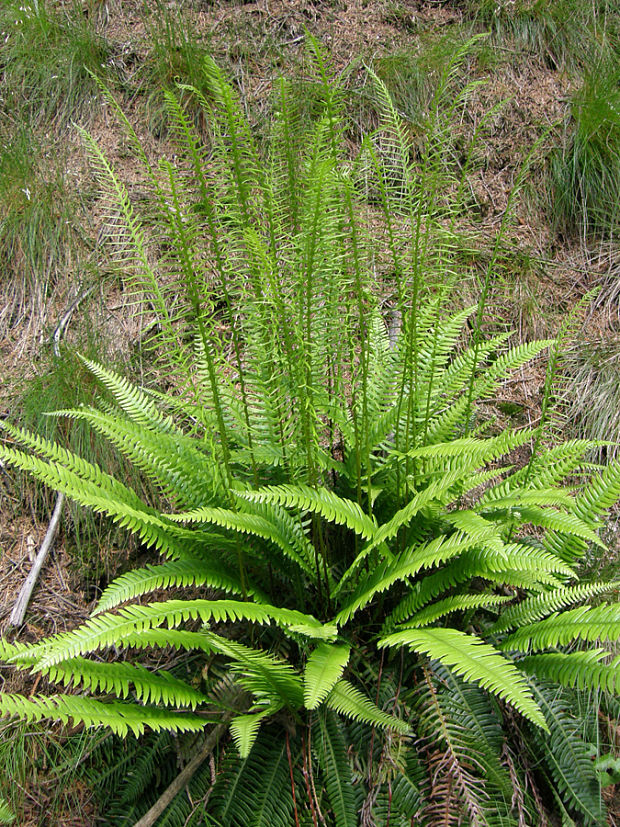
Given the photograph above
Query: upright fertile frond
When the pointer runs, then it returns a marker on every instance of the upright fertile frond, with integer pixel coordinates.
(474, 660)
(130, 244)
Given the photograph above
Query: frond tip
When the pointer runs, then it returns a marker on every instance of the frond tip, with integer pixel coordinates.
(350, 702)
(324, 668)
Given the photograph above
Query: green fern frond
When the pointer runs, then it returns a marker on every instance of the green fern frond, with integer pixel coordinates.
(456, 603)
(322, 501)
(475, 661)
(535, 608)
(254, 524)
(474, 452)
(117, 678)
(519, 564)
(323, 669)
(330, 746)
(120, 718)
(185, 572)
(271, 680)
(137, 404)
(584, 623)
(73, 463)
(598, 496)
(407, 564)
(508, 363)
(439, 490)
(244, 729)
(107, 496)
(7, 816)
(109, 629)
(557, 521)
(537, 497)
(551, 466)
(172, 461)
(346, 700)
(480, 531)
(585, 670)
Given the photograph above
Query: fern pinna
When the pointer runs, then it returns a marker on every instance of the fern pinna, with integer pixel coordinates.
(396, 604)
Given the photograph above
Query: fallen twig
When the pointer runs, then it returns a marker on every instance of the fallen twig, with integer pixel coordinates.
(183, 778)
(66, 317)
(21, 604)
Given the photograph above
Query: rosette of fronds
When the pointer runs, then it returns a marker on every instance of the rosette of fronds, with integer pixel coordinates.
(386, 596)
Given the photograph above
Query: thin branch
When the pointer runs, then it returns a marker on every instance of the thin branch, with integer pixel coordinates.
(21, 604)
(183, 778)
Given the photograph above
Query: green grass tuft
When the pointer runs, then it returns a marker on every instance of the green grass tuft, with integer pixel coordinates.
(46, 59)
(564, 34)
(584, 174)
(175, 55)
(39, 234)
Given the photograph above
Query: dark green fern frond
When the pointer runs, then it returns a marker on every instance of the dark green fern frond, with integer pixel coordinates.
(256, 791)
(330, 747)
(324, 502)
(455, 604)
(568, 757)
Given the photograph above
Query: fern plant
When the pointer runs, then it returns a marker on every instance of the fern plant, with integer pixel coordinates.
(378, 596)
